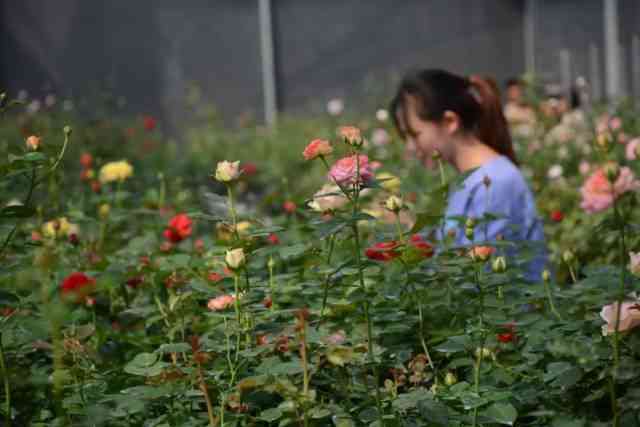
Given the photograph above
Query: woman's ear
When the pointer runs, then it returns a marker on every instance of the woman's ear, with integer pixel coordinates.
(451, 122)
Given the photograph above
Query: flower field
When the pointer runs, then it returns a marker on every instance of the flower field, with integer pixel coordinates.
(291, 276)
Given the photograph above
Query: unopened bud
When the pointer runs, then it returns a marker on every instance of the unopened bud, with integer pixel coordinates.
(104, 210)
(394, 204)
(486, 181)
(468, 232)
(499, 265)
(483, 352)
(33, 143)
(612, 171)
(450, 379)
(470, 223)
(3, 97)
(546, 276)
(436, 155)
(67, 130)
(604, 141)
(271, 263)
(568, 256)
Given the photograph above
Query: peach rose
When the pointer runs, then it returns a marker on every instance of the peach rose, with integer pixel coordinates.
(221, 302)
(329, 198)
(351, 135)
(33, 143)
(629, 317)
(344, 171)
(598, 194)
(481, 253)
(317, 148)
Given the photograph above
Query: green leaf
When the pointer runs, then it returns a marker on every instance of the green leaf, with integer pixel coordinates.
(424, 219)
(435, 412)
(293, 251)
(454, 344)
(180, 347)
(17, 211)
(340, 355)
(502, 413)
(410, 400)
(271, 415)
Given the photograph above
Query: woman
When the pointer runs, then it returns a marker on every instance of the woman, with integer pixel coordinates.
(461, 119)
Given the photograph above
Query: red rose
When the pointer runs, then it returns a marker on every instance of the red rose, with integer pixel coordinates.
(149, 123)
(383, 251)
(506, 337)
(267, 302)
(77, 286)
(215, 277)
(424, 248)
(557, 216)
(134, 282)
(86, 160)
(179, 228)
(248, 169)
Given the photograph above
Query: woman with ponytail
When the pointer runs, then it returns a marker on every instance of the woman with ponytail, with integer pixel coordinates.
(460, 119)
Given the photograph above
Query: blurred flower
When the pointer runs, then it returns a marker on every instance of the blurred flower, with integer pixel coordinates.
(632, 149)
(556, 216)
(380, 137)
(221, 302)
(115, 171)
(506, 337)
(335, 107)
(328, 198)
(134, 282)
(59, 227)
(227, 171)
(179, 228)
(248, 169)
(629, 317)
(499, 265)
(599, 194)
(394, 203)
(273, 239)
(351, 135)
(215, 277)
(235, 258)
(344, 171)
(634, 263)
(103, 210)
(86, 160)
(76, 286)
(289, 207)
(337, 338)
(317, 148)
(67, 105)
(382, 115)
(33, 143)
(96, 186)
(584, 167)
(50, 100)
(424, 248)
(554, 172)
(33, 107)
(149, 123)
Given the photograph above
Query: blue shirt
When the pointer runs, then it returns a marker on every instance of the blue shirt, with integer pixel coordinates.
(508, 196)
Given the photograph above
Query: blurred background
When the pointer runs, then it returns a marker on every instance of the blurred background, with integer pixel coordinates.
(251, 58)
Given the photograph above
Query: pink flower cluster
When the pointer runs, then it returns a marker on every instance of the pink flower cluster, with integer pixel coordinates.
(598, 193)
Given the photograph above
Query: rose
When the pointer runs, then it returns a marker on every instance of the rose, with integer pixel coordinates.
(481, 253)
(383, 251)
(556, 216)
(632, 149)
(86, 160)
(329, 198)
(148, 123)
(394, 204)
(76, 286)
(335, 106)
(115, 171)
(345, 170)
(351, 135)
(424, 249)
(634, 263)
(60, 227)
(317, 148)
(629, 317)
(235, 258)
(289, 207)
(599, 194)
(180, 227)
(33, 143)
(227, 171)
(249, 169)
(221, 302)
(380, 137)
(388, 181)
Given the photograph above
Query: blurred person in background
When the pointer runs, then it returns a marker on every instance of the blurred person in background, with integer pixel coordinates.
(519, 114)
(461, 120)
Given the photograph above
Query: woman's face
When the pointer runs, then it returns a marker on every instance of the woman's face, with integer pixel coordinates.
(424, 136)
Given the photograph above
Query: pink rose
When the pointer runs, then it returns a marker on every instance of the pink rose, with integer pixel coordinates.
(481, 253)
(345, 170)
(584, 167)
(221, 302)
(598, 194)
(317, 148)
(629, 317)
(632, 149)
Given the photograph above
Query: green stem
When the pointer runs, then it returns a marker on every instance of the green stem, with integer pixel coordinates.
(7, 389)
(272, 283)
(616, 333)
(480, 355)
(232, 211)
(326, 282)
(552, 306)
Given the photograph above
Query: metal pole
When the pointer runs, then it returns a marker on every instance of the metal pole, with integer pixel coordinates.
(594, 73)
(611, 49)
(530, 36)
(268, 63)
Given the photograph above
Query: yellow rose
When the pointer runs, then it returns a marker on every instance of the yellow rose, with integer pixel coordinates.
(388, 181)
(235, 258)
(59, 227)
(227, 171)
(115, 171)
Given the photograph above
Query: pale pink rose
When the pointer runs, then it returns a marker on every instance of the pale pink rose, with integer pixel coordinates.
(375, 165)
(598, 194)
(221, 302)
(629, 317)
(634, 263)
(317, 148)
(329, 198)
(615, 123)
(584, 167)
(632, 149)
(345, 170)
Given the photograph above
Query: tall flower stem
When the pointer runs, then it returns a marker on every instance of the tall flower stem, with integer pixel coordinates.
(7, 388)
(328, 278)
(365, 307)
(483, 336)
(232, 212)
